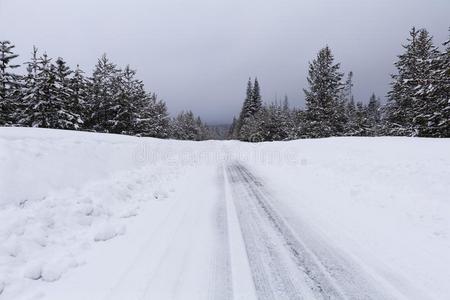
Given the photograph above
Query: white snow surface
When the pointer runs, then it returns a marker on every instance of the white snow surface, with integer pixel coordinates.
(102, 216)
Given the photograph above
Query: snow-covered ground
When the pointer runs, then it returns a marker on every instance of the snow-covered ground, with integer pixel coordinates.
(97, 216)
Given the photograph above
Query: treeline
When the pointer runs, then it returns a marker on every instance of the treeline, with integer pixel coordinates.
(111, 100)
(418, 102)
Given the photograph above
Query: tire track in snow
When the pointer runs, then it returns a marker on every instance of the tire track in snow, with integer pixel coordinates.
(274, 275)
(284, 266)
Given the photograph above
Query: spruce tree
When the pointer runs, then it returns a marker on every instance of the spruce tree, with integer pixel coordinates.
(256, 102)
(409, 101)
(276, 125)
(323, 95)
(374, 116)
(68, 116)
(245, 111)
(351, 126)
(362, 122)
(129, 96)
(248, 122)
(231, 130)
(438, 120)
(104, 91)
(42, 106)
(79, 86)
(424, 102)
(9, 84)
(152, 118)
(186, 127)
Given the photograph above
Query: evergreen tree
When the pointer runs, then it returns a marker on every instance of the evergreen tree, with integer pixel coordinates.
(374, 115)
(253, 128)
(77, 103)
(130, 95)
(323, 96)
(42, 105)
(438, 119)
(424, 102)
(347, 90)
(299, 124)
(245, 111)
(351, 126)
(277, 126)
(186, 127)
(104, 97)
(9, 84)
(409, 103)
(256, 102)
(248, 122)
(68, 116)
(28, 93)
(362, 122)
(232, 129)
(153, 118)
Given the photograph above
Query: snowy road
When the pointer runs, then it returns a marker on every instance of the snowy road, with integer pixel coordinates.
(226, 237)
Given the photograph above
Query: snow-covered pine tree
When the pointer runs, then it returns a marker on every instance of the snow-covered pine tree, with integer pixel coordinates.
(256, 102)
(186, 127)
(288, 120)
(79, 86)
(125, 112)
(160, 119)
(203, 130)
(424, 102)
(252, 129)
(409, 101)
(362, 122)
(42, 107)
(346, 107)
(231, 130)
(252, 105)
(347, 90)
(276, 123)
(323, 95)
(9, 84)
(104, 91)
(299, 121)
(374, 115)
(438, 120)
(245, 111)
(28, 92)
(68, 116)
(351, 126)
(152, 118)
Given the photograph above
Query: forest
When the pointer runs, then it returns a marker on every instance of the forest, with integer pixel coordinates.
(113, 100)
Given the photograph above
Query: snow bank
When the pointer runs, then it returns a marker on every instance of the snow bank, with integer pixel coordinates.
(36, 161)
(62, 192)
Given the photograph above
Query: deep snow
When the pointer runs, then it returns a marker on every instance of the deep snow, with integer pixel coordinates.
(97, 216)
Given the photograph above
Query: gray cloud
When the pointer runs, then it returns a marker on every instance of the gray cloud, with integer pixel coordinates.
(198, 54)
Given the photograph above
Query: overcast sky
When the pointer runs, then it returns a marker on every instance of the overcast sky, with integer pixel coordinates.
(198, 54)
